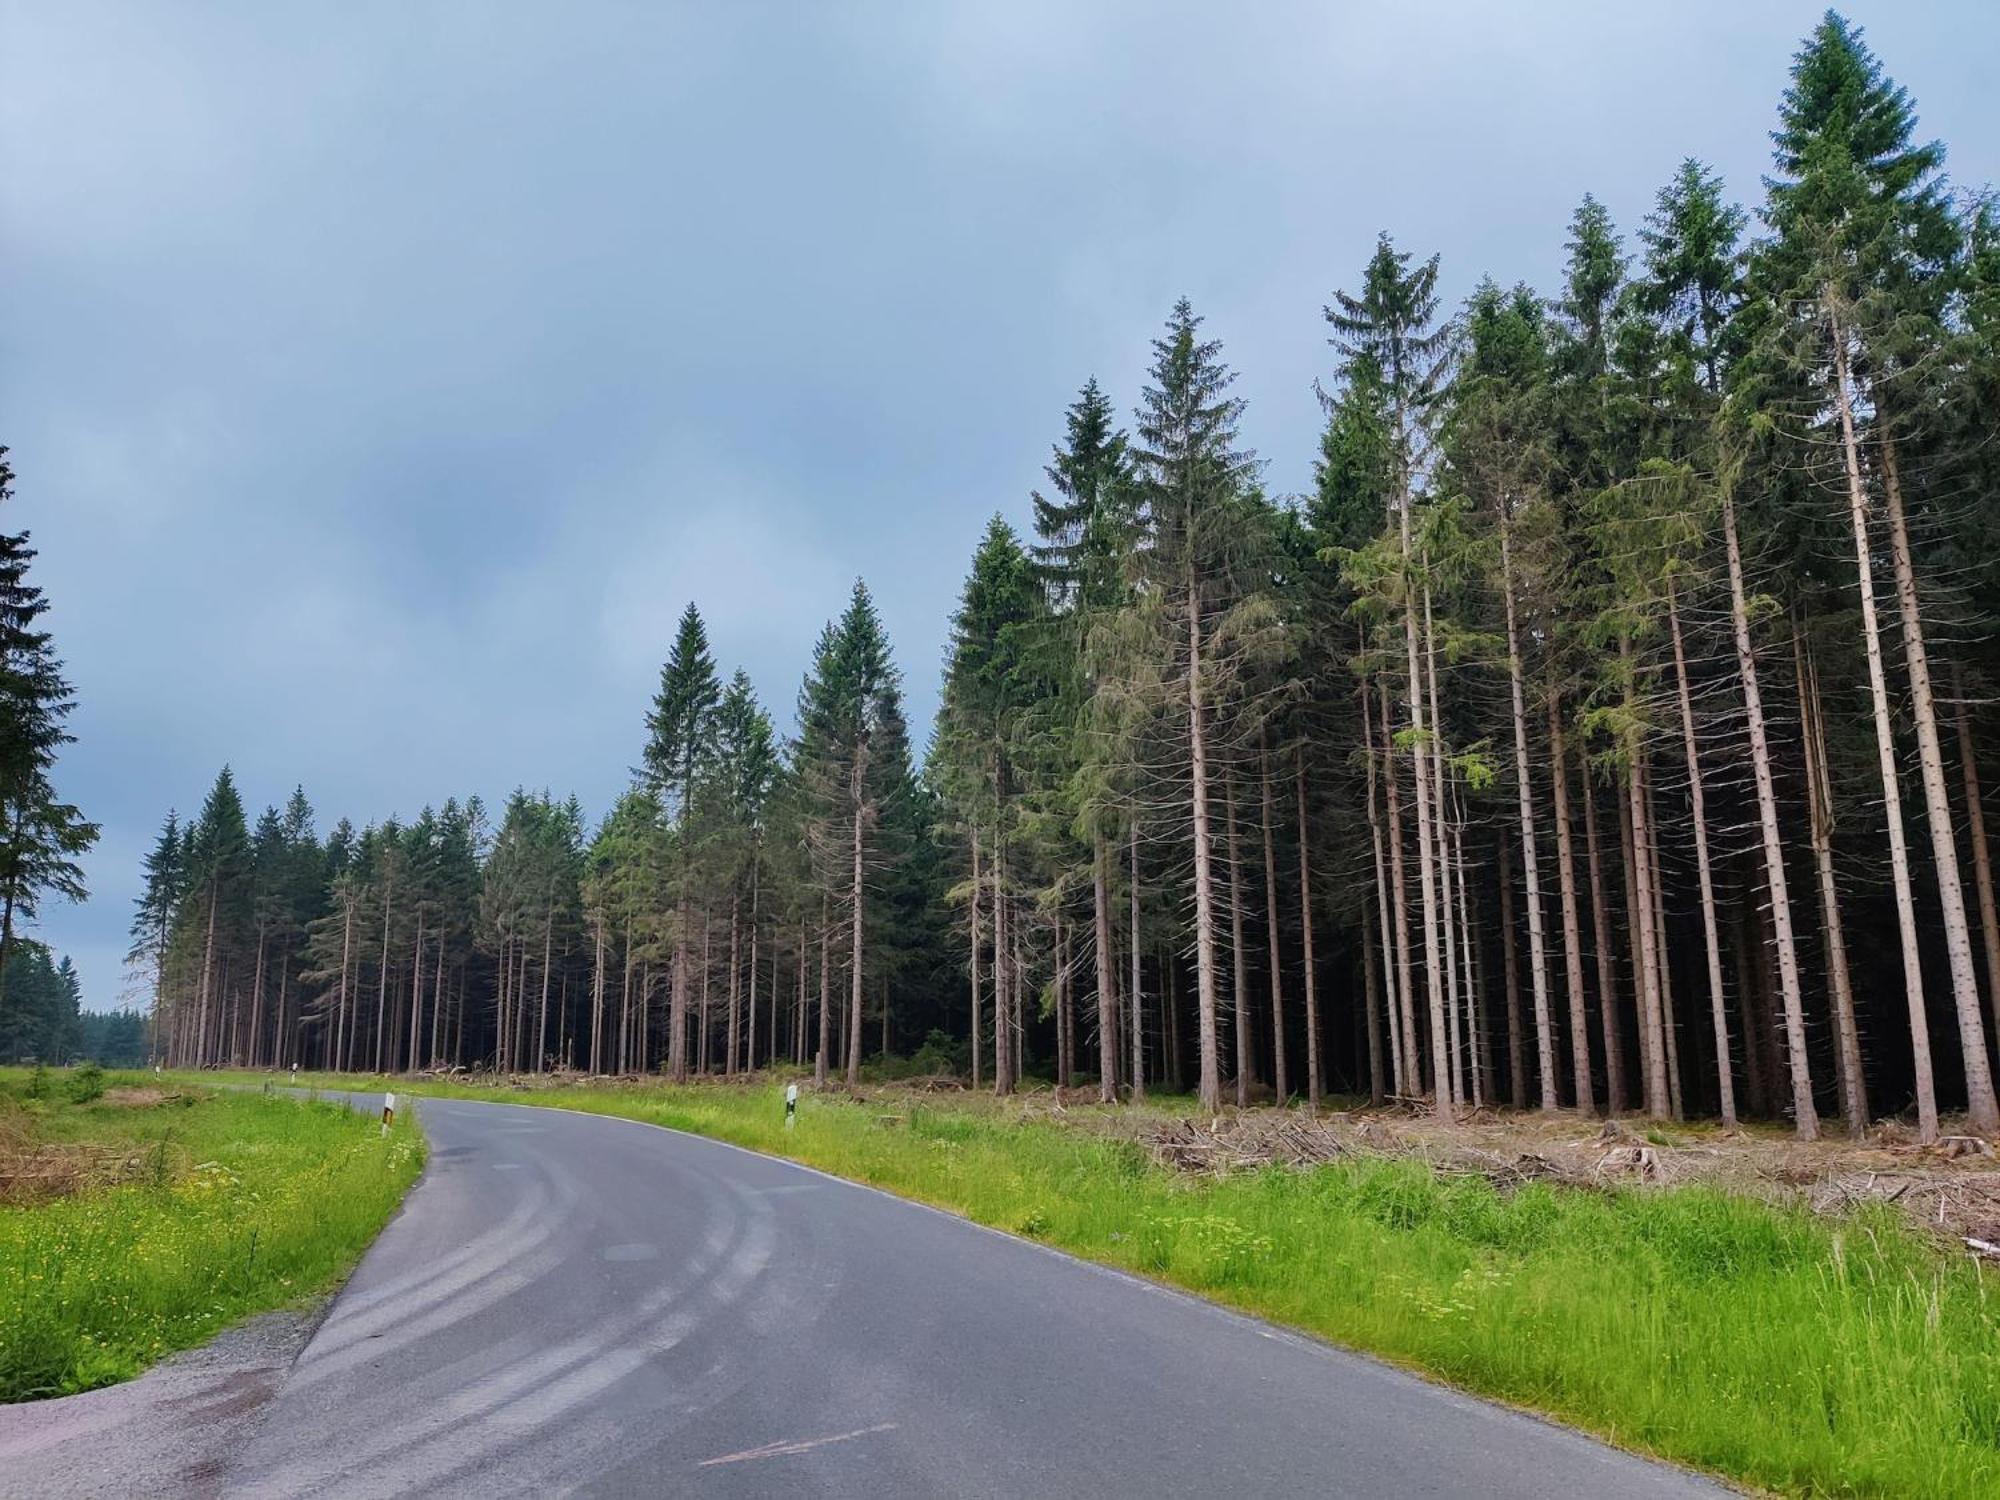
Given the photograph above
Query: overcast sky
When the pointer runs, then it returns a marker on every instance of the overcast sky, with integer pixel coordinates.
(383, 379)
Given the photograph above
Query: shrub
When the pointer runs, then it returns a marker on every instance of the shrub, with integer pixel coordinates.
(86, 1083)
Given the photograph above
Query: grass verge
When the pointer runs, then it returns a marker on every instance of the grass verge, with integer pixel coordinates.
(1758, 1342)
(201, 1208)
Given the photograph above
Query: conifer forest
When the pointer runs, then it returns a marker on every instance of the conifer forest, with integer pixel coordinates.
(1600, 719)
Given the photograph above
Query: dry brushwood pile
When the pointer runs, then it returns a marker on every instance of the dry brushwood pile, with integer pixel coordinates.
(1951, 1188)
(33, 1171)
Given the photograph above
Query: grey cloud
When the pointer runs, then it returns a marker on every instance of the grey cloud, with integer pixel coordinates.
(383, 378)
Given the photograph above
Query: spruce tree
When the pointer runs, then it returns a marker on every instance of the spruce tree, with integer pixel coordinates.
(680, 730)
(41, 836)
(986, 697)
(1194, 557)
(1693, 264)
(155, 907)
(1390, 330)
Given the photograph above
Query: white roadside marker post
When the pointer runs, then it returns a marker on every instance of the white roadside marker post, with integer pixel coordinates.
(791, 1105)
(388, 1112)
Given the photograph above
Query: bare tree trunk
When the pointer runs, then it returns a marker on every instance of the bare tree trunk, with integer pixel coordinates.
(1314, 1083)
(1805, 1115)
(1538, 961)
(1409, 1082)
(1819, 800)
(1368, 997)
(1475, 1024)
(1279, 1078)
(1065, 1053)
(1982, 864)
(1517, 1074)
(677, 999)
(346, 969)
(1607, 974)
(978, 886)
(820, 1058)
(701, 997)
(1747, 982)
(257, 999)
(1629, 866)
(1238, 974)
(750, 982)
(1711, 937)
(1210, 1088)
(502, 993)
(207, 979)
(1383, 925)
(1420, 750)
(382, 988)
(1668, 1041)
(1441, 823)
(1981, 1104)
(732, 1026)
(625, 1038)
(414, 1061)
(859, 897)
(801, 1006)
(1107, 976)
(1579, 1015)
(1138, 1026)
(438, 1003)
(542, 1009)
(1639, 904)
(1018, 977)
(1003, 1033)
(287, 1040)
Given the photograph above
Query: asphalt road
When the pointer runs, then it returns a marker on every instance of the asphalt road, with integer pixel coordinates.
(575, 1304)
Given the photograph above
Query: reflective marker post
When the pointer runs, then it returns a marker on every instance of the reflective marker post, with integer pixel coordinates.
(388, 1112)
(791, 1105)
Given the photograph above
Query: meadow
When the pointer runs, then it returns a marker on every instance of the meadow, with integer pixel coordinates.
(137, 1219)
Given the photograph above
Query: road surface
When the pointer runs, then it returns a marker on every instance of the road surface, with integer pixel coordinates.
(575, 1304)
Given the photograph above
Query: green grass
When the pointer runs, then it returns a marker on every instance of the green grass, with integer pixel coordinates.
(237, 1204)
(1761, 1343)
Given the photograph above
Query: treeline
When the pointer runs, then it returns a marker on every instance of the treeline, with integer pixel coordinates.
(43, 1019)
(1602, 729)
(41, 1010)
(735, 885)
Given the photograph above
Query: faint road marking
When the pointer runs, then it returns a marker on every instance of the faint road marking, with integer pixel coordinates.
(800, 1445)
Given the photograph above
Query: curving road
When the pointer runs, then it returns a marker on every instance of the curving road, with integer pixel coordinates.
(576, 1304)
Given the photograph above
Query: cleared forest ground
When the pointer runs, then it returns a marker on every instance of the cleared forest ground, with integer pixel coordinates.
(1723, 1302)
